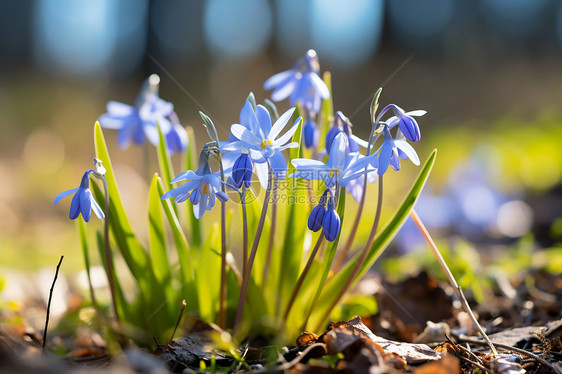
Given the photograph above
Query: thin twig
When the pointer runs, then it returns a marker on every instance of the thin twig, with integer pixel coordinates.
(255, 243)
(363, 257)
(293, 362)
(479, 366)
(49, 305)
(451, 279)
(183, 305)
(513, 349)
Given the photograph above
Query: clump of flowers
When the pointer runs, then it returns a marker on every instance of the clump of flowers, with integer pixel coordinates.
(232, 292)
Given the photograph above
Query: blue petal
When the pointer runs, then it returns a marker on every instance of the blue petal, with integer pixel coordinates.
(277, 79)
(222, 196)
(199, 209)
(75, 205)
(320, 86)
(278, 165)
(330, 136)
(195, 197)
(248, 118)
(86, 204)
(331, 225)
(316, 217)
(409, 128)
(65, 194)
(285, 88)
(310, 133)
(264, 119)
(338, 151)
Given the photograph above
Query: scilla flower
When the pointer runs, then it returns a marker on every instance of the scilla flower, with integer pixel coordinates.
(325, 218)
(343, 125)
(302, 83)
(261, 141)
(176, 137)
(392, 150)
(202, 189)
(342, 167)
(242, 171)
(405, 121)
(135, 123)
(83, 202)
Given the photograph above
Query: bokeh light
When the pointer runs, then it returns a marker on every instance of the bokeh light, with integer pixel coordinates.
(83, 37)
(344, 34)
(237, 28)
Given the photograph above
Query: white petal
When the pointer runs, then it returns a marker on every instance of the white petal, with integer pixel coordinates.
(286, 136)
(280, 124)
(245, 135)
(278, 78)
(65, 194)
(408, 150)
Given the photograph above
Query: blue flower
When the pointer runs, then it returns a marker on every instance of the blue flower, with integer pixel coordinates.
(316, 217)
(392, 150)
(405, 121)
(203, 187)
(242, 171)
(176, 138)
(135, 123)
(331, 222)
(310, 134)
(83, 202)
(302, 83)
(342, 167)
(261, 140)
(344, 125)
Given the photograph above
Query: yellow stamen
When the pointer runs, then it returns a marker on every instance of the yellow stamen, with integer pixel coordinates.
(269, 142)
(205, 189)
(263, 144)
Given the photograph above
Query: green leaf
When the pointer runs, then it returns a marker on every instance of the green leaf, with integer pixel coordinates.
(191, 164)
(182, 247)
(375, 105)
(164, 160)
(129, 246)
(210, 127)
(82, 230)
(327, 111)
(157, 235)
(335, 284)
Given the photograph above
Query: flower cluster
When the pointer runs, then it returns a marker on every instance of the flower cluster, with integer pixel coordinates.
(140, 121)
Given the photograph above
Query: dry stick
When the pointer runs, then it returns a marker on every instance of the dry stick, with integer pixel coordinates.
(516, 350)
(49, 305)
(450, 277)
(246, 275)
(109, 259)
(183, 305)
(361, 260)
(303, 275)
(290, 364)
(271, 233)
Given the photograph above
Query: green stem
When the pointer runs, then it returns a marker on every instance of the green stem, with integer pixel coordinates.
(255, 243)
(363, 257)
(244, 230)
(271, 233)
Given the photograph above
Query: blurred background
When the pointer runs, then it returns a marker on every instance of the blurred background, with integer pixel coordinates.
(488, 72)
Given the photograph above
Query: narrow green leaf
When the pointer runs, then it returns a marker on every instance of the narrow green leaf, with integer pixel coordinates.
(382, 240)
(191, 164)
(375, 105)
(182, 247)
(83, 232)
(164, 160)
(129, 246)
(157, 235)
(327, 111)
(210, 127)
